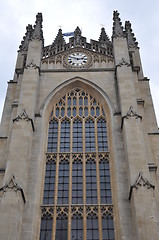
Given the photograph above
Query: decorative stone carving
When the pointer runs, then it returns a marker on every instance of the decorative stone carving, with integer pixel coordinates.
(104, 37)
(77, 37)
(130, 36)
(59, 59)
(140, 181)
(96, 58)
(104, 59)
(130, 113)
(117, 26)
(37, 32)
(31, 64)
(13, 185)
(123, 63)
(26, 38)
(24, 116)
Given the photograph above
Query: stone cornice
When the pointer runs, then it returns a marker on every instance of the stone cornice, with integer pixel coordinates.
(79, 70)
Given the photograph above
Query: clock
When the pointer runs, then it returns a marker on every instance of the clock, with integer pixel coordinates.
(77, 58)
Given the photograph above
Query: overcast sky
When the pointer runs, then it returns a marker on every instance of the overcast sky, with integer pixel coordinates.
(15, 15)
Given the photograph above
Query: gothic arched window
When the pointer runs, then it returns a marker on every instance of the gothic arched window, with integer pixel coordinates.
(77, 202)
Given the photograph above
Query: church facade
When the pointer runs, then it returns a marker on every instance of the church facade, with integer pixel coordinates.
(79, 153)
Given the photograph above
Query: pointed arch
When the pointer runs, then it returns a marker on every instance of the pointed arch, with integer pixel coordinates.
(82, 83)
(81, 139)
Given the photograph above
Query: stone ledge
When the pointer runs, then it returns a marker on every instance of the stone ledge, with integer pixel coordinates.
(79, 70)
(144, 79)
(11, 81)
(154, 133)
(140, 102)
(152, 167)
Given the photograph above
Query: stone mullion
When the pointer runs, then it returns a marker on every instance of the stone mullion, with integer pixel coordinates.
(89, 105)
(66, 104)
(84, 187)
(56, 182)
(70, 181)
(98, 182)
(77, 104)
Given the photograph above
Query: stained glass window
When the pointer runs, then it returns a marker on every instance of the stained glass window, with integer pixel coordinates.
(77, 183)
(92, 227)
(61, 227)
(63, 183)
(91, 182)
(77, 227)
(77, 201)
(77, 136)
(46, 227)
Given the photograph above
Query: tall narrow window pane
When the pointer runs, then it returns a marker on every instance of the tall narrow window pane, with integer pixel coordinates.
(102, 136)
(52, 136)
(61, 227)
(91, 183)
(77, 183)
(105, 187)
(77, 228)
(77, 136)
(108, 228)
(65, 136)
(46, 227)
(63, 183)
(49, 186)
(92, 228)
(90, 136)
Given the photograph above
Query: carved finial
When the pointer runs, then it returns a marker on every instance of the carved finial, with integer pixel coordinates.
(130, 36)
(77, 31)
(37, 32)
(117, 26)
(11, 184)
(140, 181)
(26, 38)
(59, 38)
(77, 36)
(103, 36)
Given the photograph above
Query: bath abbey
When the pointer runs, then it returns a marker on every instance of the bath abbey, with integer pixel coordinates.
(79, 141)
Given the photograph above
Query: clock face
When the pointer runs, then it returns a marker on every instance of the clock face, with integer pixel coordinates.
(77, 59)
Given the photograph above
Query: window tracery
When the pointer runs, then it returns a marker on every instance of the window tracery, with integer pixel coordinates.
(77, 202)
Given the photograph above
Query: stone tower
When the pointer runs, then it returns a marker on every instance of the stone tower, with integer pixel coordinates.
(79, 140)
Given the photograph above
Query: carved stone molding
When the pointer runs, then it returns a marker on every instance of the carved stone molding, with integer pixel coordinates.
(13, 185)
(130, 113)
(96, 58)
(140, 181)
(123, 62)
(24, 116)
(31, 64)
